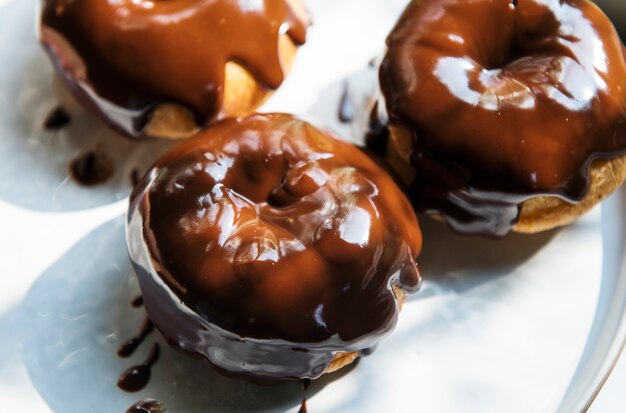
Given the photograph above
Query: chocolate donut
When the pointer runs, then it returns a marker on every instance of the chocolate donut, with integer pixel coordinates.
(165, 68)
(272, 249)
(506, 114)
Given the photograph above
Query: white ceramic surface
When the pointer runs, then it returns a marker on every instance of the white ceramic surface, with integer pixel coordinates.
(524, 324)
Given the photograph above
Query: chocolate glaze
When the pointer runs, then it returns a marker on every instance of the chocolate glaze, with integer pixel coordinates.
(147, 406)
(129, 347)
(57, 119)
(137, 377)
(124, 58)
(266, 246)
(504, 101)
(92, 168)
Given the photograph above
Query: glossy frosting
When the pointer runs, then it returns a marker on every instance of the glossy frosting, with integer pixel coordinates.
(124, 57)
(266, 246)
(505, 100)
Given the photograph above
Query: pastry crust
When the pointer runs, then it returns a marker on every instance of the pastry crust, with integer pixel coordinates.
(544, 213)
(242, 96)
(538, 214)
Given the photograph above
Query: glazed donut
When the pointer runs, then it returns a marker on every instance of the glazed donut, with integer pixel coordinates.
(505, 115)
(167, 68)
(272, 249)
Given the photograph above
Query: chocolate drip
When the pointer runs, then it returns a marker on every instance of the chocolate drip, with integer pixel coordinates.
(125, 59)
(377, 134)
(147, 406)
(57, 119)
(137, 377)
(137, 301)
(135, 176)
(274, 232)
(129, 347)
(503, 102)
(92, 168)
(306, 383)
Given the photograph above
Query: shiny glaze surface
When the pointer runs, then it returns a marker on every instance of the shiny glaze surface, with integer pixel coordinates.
(147, 406)
(505, 100)
(282, 243)
(136, 378)
(124, 57)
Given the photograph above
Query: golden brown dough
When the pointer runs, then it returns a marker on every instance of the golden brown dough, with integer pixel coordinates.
(541, 213)
(545, 213)
(242, 96)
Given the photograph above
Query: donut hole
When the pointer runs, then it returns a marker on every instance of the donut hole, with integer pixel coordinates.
(526, 30)
(257, 175)
(299, 181)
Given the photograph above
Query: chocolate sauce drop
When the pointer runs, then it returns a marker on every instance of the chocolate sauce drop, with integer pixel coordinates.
(147, 406)
(306, 383)
(346, 106)
(57, 119)
(377, 133)
(92, 168)
(135, 176)
(129, 347)
(137, 377)
(303, 407)
(137, 301)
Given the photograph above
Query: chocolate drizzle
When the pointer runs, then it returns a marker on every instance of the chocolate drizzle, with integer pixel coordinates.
(57, 119)
(124, 59)
(137, 377)
(147, 406)
(503, 102)
(279, 240)
(129, 347)
(135, 176)
(305, 383)
(92, 168)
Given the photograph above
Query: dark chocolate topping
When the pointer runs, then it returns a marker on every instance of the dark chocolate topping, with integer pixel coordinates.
(505, 100)
(279, 235)
(147, 406)
(137, 302)
(126, 57)
(57, 119)
(128, 348)
(137, 377)
(92, 168)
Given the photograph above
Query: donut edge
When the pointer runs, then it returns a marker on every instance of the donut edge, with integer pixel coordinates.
(342, 360)
(540, 213)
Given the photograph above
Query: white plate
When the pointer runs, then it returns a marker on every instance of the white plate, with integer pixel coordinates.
(524, 324)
